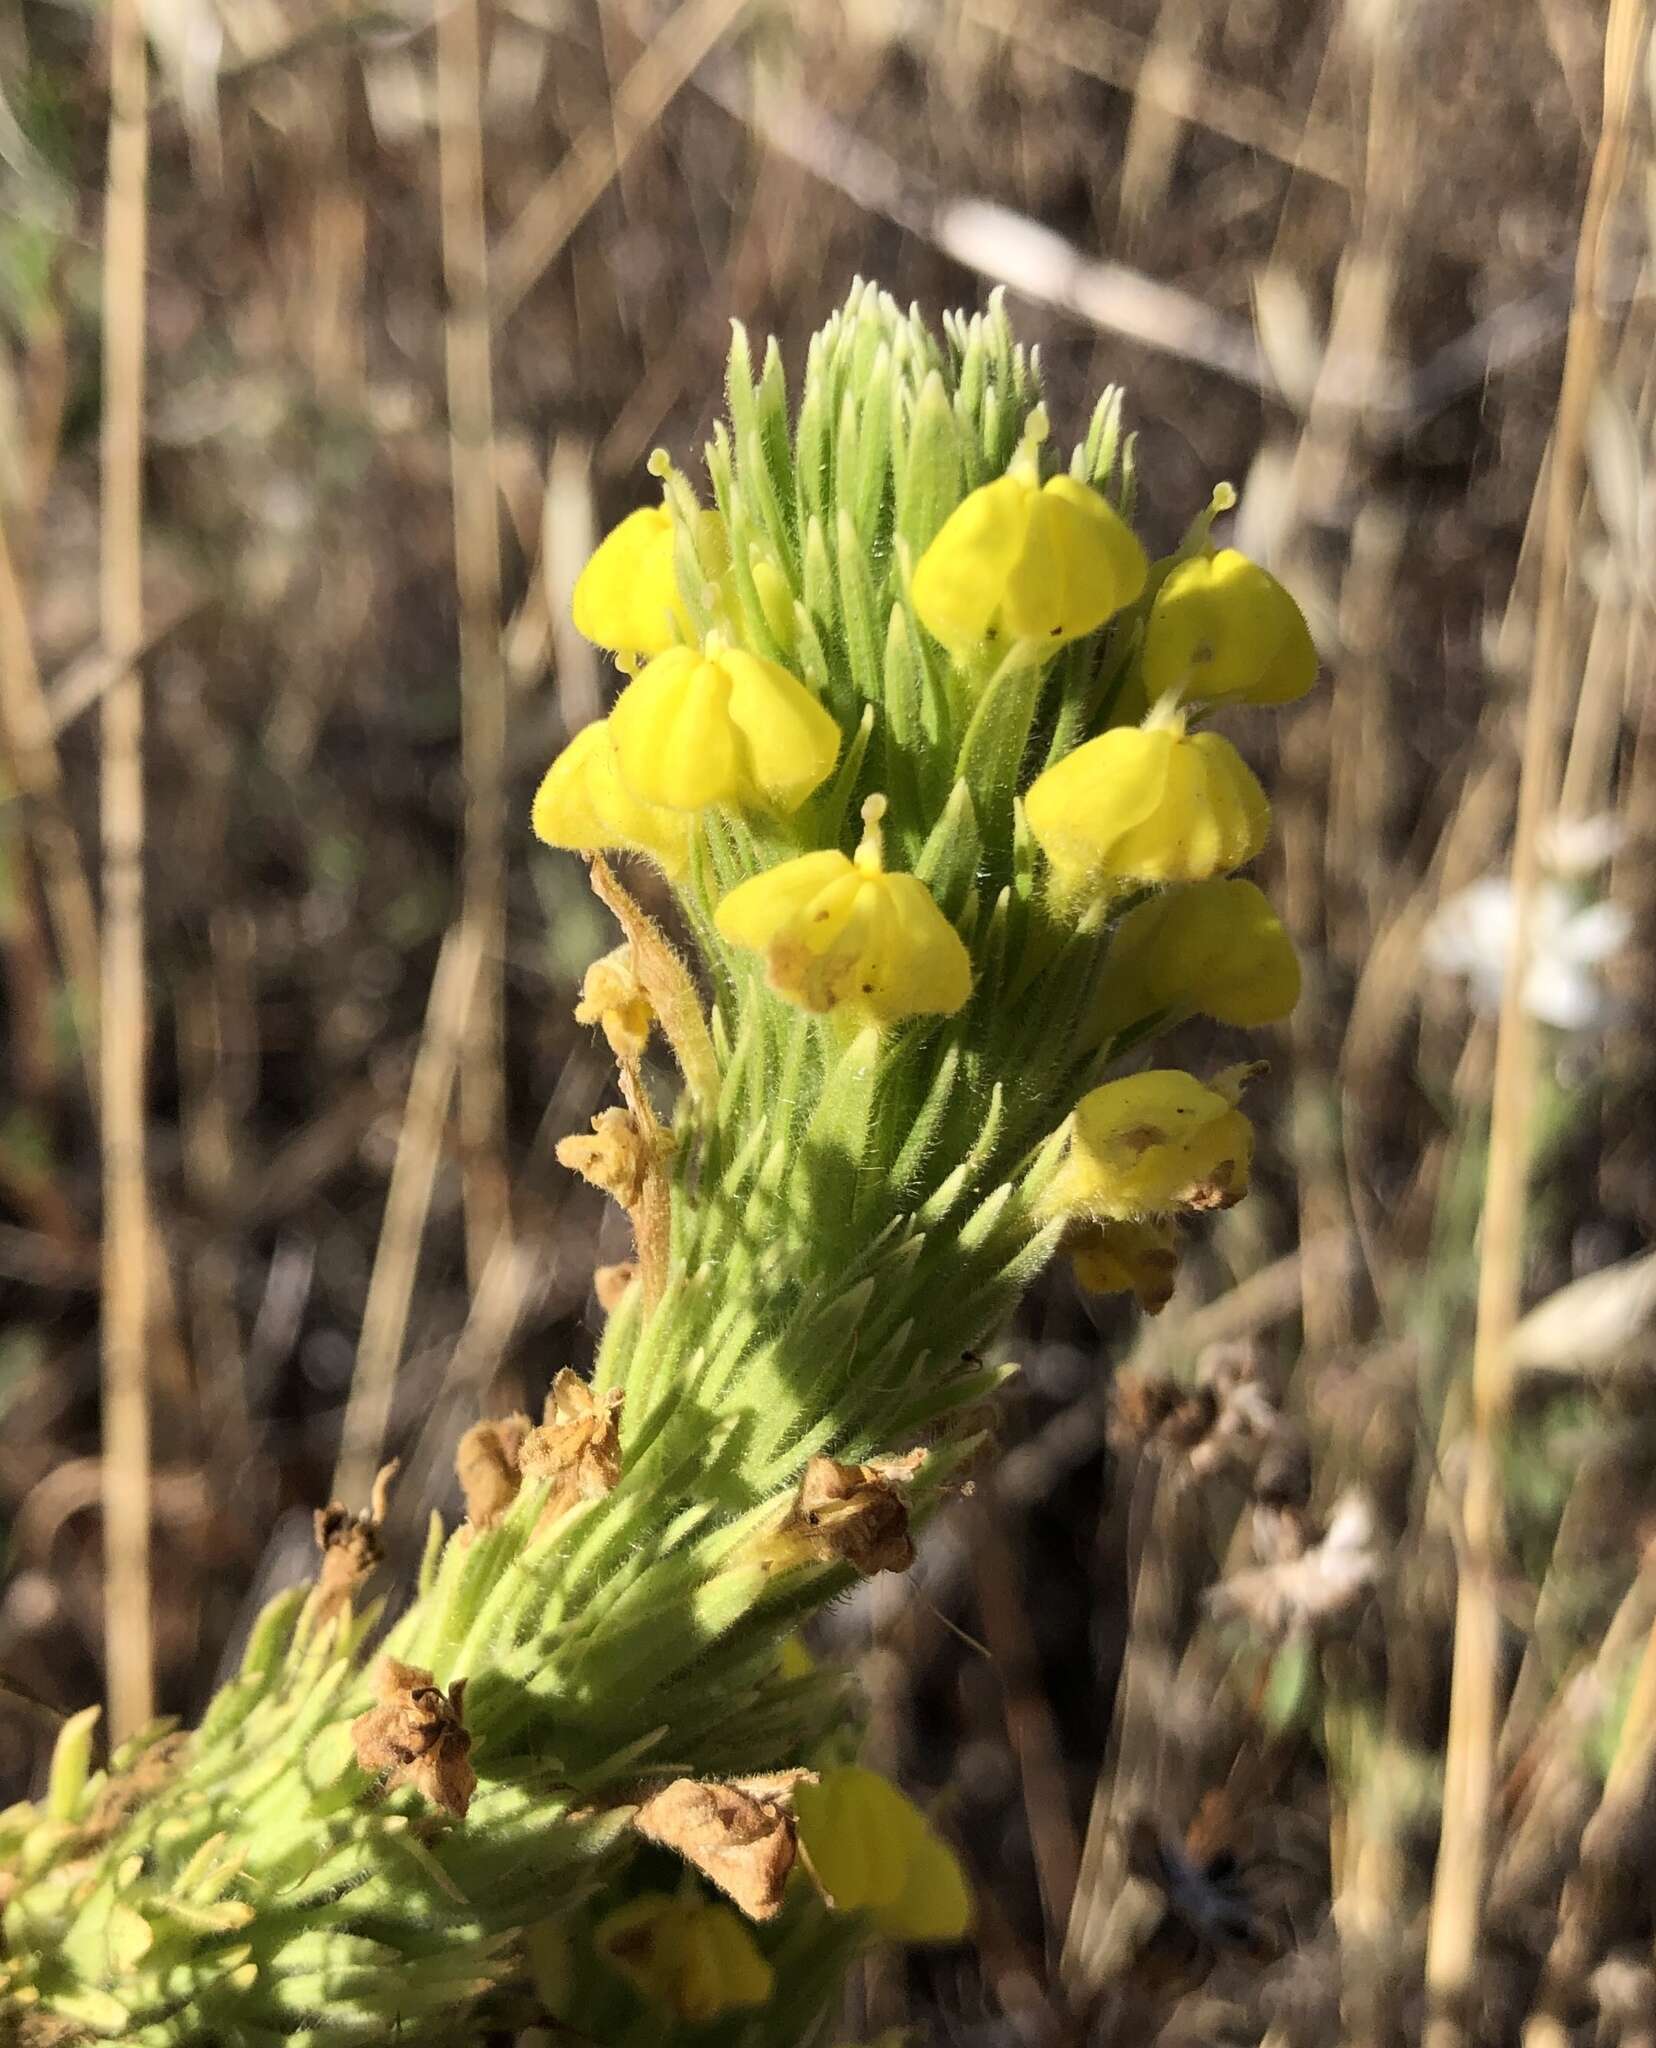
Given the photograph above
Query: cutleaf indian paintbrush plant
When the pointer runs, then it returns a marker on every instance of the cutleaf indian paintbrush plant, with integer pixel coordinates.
(919, 742)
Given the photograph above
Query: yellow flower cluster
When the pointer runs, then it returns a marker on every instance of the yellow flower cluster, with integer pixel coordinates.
(873, 1851)
(1020, 568)
(697, 725)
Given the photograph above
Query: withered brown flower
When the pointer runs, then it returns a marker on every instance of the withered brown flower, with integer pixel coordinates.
(739, 1835)
(577, 1446)
(486, 1464)
(415, 1736)
(854, 1514)
(351, 1549)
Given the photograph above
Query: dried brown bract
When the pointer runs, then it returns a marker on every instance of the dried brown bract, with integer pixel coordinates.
(739, 1835)
(613, 997)
(577, 1446)
(616, 1157)
(855, 1514)
(351, 1550)
(486, 1464)
(415, 1736)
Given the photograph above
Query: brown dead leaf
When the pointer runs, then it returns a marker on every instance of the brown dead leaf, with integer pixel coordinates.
(415, 1736)
(739, 1835)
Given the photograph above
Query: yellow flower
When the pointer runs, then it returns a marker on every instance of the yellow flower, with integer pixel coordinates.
(873, 1851)
(1140, 1258)
(1221, 626)
(698, 1960)
(1152, 1143)
(843, 932)
(720, 726)
(1019, 560)
(1217, 949)
(582, 804)
(1149, 803)
(627, 596)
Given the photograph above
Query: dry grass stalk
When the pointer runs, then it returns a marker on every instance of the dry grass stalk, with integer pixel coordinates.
(482, 668)
(544, 226)
(1458, 1892)
(32, 760)
(128, 1644)
(413, 1171)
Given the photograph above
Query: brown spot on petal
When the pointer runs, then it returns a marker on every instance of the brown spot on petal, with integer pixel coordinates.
(415, 1736)
(740, 1835)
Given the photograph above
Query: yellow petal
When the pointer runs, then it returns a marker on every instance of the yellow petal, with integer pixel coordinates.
(1019, 562)
(1138, 1257)
(757, 909)
(627, 596)
(835, 933)
(960, 580)
(583, 805)
(858, 1833)
(696, 1959)
(721, 727)
(1217, 948)
(792, 743)
(1148, 804)
(1081, 563)
(1223, 627)
(935, 1903)
(1151, 1143)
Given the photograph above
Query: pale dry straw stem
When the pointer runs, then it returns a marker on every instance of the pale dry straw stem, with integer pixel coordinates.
(1613, 672)
(1458, 1890)
(407, 1200)
(590, 164)
(32, 759)
(1604, 1842)
(128, 1622)
(482, 664)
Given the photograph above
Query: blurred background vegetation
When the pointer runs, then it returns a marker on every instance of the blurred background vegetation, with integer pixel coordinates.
(1331, 248)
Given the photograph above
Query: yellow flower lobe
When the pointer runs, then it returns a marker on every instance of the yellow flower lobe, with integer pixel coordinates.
(843, 933)
(582, 804)
(1223, 627)
(1022, 561)
(1216, 948)
(720, 726)
(1146, 804)
(1152, 1143)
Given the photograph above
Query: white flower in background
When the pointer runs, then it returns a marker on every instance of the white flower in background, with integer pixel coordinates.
(1571, 936)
